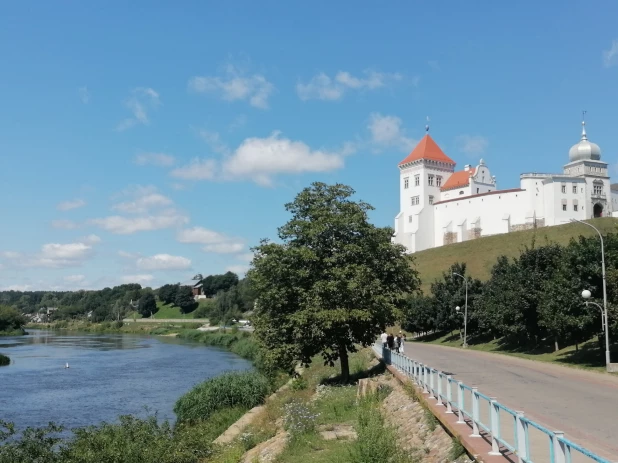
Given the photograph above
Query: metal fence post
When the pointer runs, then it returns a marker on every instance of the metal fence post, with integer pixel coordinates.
(431, 384)
(440, 376)
(475, 412)
(460, 403)
(494, 411)
(424, 367)
(559, 449)
(449, 393)
(522, 437)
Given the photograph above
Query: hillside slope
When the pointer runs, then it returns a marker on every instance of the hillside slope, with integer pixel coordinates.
(480, 255)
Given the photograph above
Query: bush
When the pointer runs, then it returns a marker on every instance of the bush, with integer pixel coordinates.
(299, 418)
(233, 389)
(11, 321)
(4, 360)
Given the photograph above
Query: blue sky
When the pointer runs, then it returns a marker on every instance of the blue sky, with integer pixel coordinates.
(148, 141)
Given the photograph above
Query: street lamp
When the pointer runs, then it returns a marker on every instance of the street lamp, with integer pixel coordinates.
(465, 343)
(587, 295)
(607, 359)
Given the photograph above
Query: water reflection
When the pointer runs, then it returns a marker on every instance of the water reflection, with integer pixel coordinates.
(109, 375)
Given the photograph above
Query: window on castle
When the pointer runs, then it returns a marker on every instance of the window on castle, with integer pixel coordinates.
(417, 180)
(564, 207)
(410, 218)
(438, 181)
(430, 180)
(406, 182)
(415, 200)
(564, 188)
(431, 198)
(598, 189)
(574, 188)
(575, 207)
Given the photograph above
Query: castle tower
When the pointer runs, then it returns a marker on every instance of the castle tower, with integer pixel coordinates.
(421, 174)
(585, 161)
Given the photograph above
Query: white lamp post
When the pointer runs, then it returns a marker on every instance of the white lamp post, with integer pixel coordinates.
(587, 295)
(458, 309)
(607, 358)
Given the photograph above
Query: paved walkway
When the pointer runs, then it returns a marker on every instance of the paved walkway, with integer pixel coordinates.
(582, 404)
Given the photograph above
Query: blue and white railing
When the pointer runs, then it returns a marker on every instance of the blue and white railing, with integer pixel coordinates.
(507, 430)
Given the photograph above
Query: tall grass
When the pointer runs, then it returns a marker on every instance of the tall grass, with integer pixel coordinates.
(234, 389)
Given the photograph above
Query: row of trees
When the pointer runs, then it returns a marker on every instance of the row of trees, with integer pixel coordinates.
(532, 300)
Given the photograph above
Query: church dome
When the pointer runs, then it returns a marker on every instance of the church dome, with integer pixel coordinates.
(584, 149)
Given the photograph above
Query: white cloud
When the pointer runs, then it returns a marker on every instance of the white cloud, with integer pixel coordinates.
(234, 85)
(213, 241)
(247, 257)
(139, 103)
(129, 225)
(197, 169)
(75, 279)
(84, 94)
(128, 255)
(64, 224)
(323, 87)
(143, 203)
(472, 145)
(141, 279)
(387, 131)
(55, 255)
(155, 159)
(163, 262)
(610, 57)
(213, 139)
(68, 205)
(24, 287)
(238, 269)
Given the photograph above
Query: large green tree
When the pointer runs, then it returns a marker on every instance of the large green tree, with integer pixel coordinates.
(335, 281)
(147, 305)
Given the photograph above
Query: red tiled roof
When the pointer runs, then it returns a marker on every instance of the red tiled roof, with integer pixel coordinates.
(427, 149)
(458, 179)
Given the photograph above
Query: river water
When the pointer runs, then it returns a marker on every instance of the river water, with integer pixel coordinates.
(108, 375)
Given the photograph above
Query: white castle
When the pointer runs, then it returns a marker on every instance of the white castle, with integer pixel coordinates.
(442, 206)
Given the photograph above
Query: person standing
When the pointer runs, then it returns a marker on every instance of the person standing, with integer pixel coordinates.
(397, 343)
(390, 341)
(384, 338)
(402, 343)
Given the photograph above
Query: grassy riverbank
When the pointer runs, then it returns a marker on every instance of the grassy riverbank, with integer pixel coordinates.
(19, 332)
(4, 360)
(118, 327)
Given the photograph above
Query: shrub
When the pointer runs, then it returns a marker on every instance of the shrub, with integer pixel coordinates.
(4, 360)
(233, 389)
(299, 384)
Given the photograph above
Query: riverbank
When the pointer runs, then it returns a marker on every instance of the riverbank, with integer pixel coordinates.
(117, 327)
(4, 360)
(19, 332)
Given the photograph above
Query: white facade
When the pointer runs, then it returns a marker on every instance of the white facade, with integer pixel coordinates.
(439, 205)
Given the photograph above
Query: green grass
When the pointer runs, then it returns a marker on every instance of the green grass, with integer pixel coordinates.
(313, 449)
(480, 255)
(170, 311)
(4, 360)
(587, 355)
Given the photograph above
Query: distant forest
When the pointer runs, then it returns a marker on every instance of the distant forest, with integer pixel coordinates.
(228, 297)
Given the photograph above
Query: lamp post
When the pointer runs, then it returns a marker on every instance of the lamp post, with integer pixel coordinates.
(587, 295)
(465, 343)
(607, 357)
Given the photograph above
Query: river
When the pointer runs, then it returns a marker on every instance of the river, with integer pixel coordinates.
(108, 375)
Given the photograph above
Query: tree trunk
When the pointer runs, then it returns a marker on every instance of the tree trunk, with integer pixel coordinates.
(556, 347)
(345, 364)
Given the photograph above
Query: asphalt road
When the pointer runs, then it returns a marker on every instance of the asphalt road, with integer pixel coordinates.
(581, 403)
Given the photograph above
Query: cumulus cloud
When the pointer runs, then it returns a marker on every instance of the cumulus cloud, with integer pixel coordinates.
(472, 145)
(64, 224)
(387, 132)
(234, 85)
(54, 255)
(261, 159)
(84, 94)
(129, 225)
(142, 279)
(324, 87)
(163, 262)
(141, 101)
(68, 205)
(610, 57)
(75, 278)
(155, 159)
(143, 203)
(213, 241)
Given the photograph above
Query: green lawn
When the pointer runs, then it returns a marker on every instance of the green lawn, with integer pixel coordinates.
(587, 355)
(480, 255)
(170, 311)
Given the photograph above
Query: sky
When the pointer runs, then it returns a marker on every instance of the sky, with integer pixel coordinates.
(148, 141)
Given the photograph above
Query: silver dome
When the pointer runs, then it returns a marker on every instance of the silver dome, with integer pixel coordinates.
(584, 149)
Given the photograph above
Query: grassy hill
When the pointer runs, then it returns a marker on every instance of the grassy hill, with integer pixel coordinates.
(170, 312)
(480, 255)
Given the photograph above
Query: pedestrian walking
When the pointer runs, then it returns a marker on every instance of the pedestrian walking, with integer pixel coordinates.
(384, 338)
(402, 344)
(390, 341)
(397, 342)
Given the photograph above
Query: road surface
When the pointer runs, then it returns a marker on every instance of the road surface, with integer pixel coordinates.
(582, 404)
